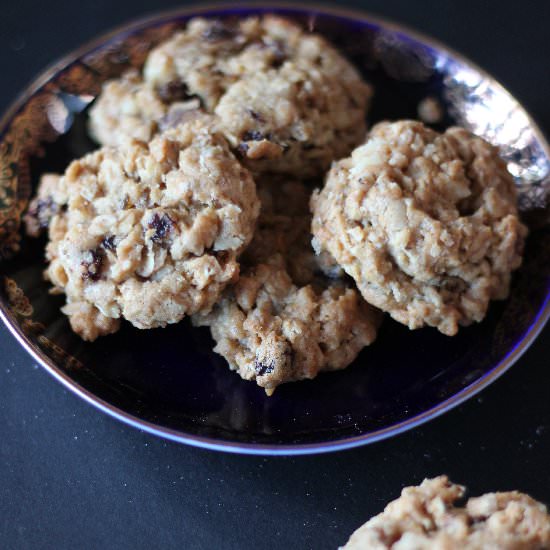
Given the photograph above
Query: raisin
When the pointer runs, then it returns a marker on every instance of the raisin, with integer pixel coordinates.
(162, 226)
(278, 52)
(253, 135)
(242, 148)
(262, 368)
(108, 243)
(256, 116)
(92, 269)
(452, 284)
(46, 209)
(222, 256)
(219, 31)
(176, 90)
(42, 211)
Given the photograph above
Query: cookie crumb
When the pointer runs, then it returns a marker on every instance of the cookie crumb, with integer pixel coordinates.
(430, 110)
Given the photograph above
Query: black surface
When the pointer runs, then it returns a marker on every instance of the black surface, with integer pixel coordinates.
(73, 477)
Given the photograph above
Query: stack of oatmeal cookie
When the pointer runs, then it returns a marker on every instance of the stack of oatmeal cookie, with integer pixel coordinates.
(198, 204)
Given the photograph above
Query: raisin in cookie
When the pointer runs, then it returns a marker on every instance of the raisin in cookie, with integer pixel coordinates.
(282, 321)
(44, 206)
(149, 233)
(287, 101)
(426, 518)
(426, 224)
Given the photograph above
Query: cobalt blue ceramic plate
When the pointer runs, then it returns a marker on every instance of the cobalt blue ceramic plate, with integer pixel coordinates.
(169, 382)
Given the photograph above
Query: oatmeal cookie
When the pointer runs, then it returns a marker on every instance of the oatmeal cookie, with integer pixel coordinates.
(273, 331)
(149, 232)
(286, 99)
(425, 518)
(426, 224)
(282, 321)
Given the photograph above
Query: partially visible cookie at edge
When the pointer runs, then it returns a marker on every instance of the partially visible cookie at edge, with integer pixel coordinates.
(149, 232)
(425, 223)
(427, 518)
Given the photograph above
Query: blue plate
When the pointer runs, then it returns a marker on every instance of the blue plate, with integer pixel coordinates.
(169, 382)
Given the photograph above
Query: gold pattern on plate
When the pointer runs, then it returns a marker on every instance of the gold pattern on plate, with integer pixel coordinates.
(21, 307)
(32, 126)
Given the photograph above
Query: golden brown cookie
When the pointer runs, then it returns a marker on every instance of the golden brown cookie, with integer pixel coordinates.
(427, 518)
(425, 223)
(287, 101)
(149, 232)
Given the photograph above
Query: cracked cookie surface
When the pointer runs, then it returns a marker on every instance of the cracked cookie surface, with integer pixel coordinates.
(287, 101)
(425, 223)
(149, 232)
(427, 518)
(283, 321)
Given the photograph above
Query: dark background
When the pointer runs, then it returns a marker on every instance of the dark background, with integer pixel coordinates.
(72, 477)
